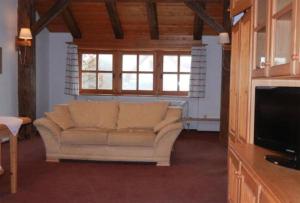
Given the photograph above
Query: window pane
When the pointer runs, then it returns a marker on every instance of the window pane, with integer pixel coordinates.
(105, 62)
(170, 82)
(89, 61)
(105, 81)
(185, 63)
(88, 81)
(146, 63)
(184, 82)
(145, 81)
(129, 63)
(129, 81)
(170, 63)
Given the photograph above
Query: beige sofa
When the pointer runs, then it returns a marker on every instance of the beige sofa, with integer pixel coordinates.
(111, 131)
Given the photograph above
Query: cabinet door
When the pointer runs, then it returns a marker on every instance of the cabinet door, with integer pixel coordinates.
(261, 56)
(283, 46)
(244, 76)
(234, 75)
(250, 190)
(233, 178)
(265, 197)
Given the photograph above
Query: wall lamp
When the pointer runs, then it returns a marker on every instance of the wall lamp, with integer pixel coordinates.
(23, 41)
(224, 38)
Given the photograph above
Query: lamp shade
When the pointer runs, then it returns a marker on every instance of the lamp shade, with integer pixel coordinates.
(224, 38)
(25, 33)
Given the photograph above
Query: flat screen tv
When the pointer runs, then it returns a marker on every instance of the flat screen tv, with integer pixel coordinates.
(277, 123)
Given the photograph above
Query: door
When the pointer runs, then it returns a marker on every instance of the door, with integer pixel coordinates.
(233, 178)
(250, 190)
(234, 75)
(244, 76)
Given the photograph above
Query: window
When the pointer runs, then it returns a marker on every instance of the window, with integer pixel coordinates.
(97, 72)
(176, 73)
(150, 73)
(137, 72)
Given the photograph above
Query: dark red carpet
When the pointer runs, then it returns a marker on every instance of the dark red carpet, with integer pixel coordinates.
(197, 174)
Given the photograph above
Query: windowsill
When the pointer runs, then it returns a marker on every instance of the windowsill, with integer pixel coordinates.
(131, 95)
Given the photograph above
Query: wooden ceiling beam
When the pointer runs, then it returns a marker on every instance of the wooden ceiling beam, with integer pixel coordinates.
(197, 8)
(114, 18)
(198, 25)
(55, 10)
(152, 18)
(71, 23)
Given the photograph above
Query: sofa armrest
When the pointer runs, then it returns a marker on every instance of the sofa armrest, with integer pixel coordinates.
(164, 131)
(48, 125)
(50, 133)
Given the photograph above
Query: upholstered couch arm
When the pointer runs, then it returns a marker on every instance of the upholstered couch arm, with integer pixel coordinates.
(164, 142)
(48, 125)
(50, 133)
(167, 129)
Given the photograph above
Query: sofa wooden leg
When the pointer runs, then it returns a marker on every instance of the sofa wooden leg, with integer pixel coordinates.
(163, 163)
(52, 160)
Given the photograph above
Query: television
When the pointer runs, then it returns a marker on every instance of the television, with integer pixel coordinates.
(277, 123)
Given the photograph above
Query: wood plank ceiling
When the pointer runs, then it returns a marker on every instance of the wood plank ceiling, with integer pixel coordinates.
(174, 18)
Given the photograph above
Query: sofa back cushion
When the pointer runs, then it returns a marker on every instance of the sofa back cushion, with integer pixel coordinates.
(99, 114)
(61, 116)
(141, 115)
(174, 114)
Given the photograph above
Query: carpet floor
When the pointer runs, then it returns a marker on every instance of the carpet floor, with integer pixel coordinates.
(198, 174)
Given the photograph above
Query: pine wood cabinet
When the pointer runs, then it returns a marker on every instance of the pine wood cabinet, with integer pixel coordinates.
(265, 48)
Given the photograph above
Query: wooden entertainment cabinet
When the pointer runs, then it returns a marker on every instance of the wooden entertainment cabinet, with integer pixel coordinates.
(265, 52)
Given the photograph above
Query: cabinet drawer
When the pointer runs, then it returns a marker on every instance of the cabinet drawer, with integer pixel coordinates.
(266, 197)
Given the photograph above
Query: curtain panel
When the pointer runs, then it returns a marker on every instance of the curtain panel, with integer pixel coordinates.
(72, 71)
(198, 73)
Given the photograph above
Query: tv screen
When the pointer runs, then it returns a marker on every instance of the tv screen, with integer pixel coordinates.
(277, 118)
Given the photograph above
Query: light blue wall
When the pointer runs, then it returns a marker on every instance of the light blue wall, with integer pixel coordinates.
(9, 77)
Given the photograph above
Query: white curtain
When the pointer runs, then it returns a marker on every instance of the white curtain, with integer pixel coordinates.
(72, 71)
(198, 73)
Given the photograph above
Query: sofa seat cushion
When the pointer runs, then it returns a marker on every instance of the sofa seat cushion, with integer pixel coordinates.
(84, 136)
(142, 138)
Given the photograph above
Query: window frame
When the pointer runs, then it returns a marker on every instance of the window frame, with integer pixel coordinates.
(137, 72)
(117, 73)
(97, 71)
(178, 73)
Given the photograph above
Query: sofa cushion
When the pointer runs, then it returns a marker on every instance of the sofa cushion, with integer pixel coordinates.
(61, 116)
(141, 115)
(94, 114)
(174, 111)
(84, 136)
(144, 138)
(165, 122)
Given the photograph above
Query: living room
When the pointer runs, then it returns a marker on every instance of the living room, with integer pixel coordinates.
(149, 101)
(38, 89)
